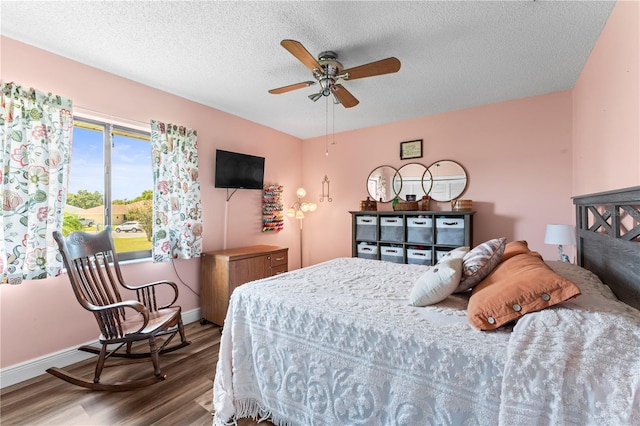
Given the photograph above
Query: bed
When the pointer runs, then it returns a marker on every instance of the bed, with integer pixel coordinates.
(338, 343)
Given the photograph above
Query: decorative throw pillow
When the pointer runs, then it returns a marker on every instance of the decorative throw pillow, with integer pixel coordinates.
(438, 282)
(456, 253)
(521, 284)
(478, 262)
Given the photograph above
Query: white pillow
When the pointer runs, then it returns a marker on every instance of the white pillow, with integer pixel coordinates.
(437, 283)
(459, 252)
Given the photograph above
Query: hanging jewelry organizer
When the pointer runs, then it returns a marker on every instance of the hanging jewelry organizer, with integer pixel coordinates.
(272, 218)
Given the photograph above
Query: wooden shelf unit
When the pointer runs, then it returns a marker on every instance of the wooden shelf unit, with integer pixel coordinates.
(441, 232)
(224, 270)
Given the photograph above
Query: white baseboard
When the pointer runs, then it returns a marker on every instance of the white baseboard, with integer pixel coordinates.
(37, 366)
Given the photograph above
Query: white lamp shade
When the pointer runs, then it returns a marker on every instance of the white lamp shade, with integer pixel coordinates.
(313, 207)
(560, 235)
(301, 193)
(299, 215)
(291, 212)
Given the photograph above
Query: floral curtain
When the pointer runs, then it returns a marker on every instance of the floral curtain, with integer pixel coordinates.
(177, 215)
(36, 130)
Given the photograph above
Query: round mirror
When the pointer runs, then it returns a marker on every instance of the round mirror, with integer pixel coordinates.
(414, 183)
(380, 183)
(449, 180)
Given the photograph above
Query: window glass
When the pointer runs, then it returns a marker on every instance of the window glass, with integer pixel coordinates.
(111, 165)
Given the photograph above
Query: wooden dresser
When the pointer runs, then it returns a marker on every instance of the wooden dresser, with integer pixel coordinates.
(224, 270)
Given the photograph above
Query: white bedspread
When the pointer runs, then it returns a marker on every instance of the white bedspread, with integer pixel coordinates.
(337, 343)
(575, 364)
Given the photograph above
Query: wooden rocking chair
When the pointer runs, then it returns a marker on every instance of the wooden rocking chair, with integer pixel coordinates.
(91, 262)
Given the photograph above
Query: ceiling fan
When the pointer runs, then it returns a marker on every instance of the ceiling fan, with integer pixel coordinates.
(328, 71)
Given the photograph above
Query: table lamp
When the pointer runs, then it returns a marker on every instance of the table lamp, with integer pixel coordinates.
(560, 235)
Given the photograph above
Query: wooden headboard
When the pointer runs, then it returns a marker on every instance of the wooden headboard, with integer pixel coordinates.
(608, 239)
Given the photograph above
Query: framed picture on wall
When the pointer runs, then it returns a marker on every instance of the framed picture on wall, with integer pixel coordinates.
(411, 149)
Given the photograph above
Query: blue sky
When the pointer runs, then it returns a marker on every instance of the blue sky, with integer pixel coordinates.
(131, 165)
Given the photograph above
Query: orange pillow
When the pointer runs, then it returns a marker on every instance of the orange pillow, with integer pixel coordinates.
(523, 283)
(514, 248)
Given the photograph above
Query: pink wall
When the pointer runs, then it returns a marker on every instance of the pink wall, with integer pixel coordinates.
(41, 317)
(517, 155)
(606, 107)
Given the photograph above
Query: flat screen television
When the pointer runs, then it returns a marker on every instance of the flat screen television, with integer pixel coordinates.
(235, 170)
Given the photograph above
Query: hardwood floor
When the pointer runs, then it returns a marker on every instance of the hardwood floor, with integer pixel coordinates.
(184, 398)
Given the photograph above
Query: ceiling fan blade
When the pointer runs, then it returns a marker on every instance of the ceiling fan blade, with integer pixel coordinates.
(298, 50)
(291, 87)
(383, 66)
(344, 96)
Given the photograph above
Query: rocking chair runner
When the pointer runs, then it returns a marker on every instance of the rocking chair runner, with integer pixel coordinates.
(87, 258)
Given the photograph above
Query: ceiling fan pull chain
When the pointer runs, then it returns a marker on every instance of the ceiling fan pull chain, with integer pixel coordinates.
(333, 133)
(326, 127)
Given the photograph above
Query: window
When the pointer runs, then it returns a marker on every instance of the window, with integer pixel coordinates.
(111, 183)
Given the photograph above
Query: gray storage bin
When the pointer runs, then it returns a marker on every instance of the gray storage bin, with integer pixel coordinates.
(392, 254)
(450, 231)
(366, 228)
(368, 251)
(419, 230)
(391, 228)
(419, 257)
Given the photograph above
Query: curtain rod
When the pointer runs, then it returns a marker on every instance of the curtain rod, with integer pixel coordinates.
(110, 116)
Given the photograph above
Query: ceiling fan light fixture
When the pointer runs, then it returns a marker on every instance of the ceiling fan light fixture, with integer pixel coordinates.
(314, 97)
(326, 82)
(326, 85)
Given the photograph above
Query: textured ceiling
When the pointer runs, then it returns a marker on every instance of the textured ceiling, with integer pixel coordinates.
(227, 55)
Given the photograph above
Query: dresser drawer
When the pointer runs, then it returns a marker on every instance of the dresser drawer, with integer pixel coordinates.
(279, 259)
(280, 269)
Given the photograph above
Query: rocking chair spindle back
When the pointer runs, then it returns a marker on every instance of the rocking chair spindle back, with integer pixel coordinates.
(96, 279)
